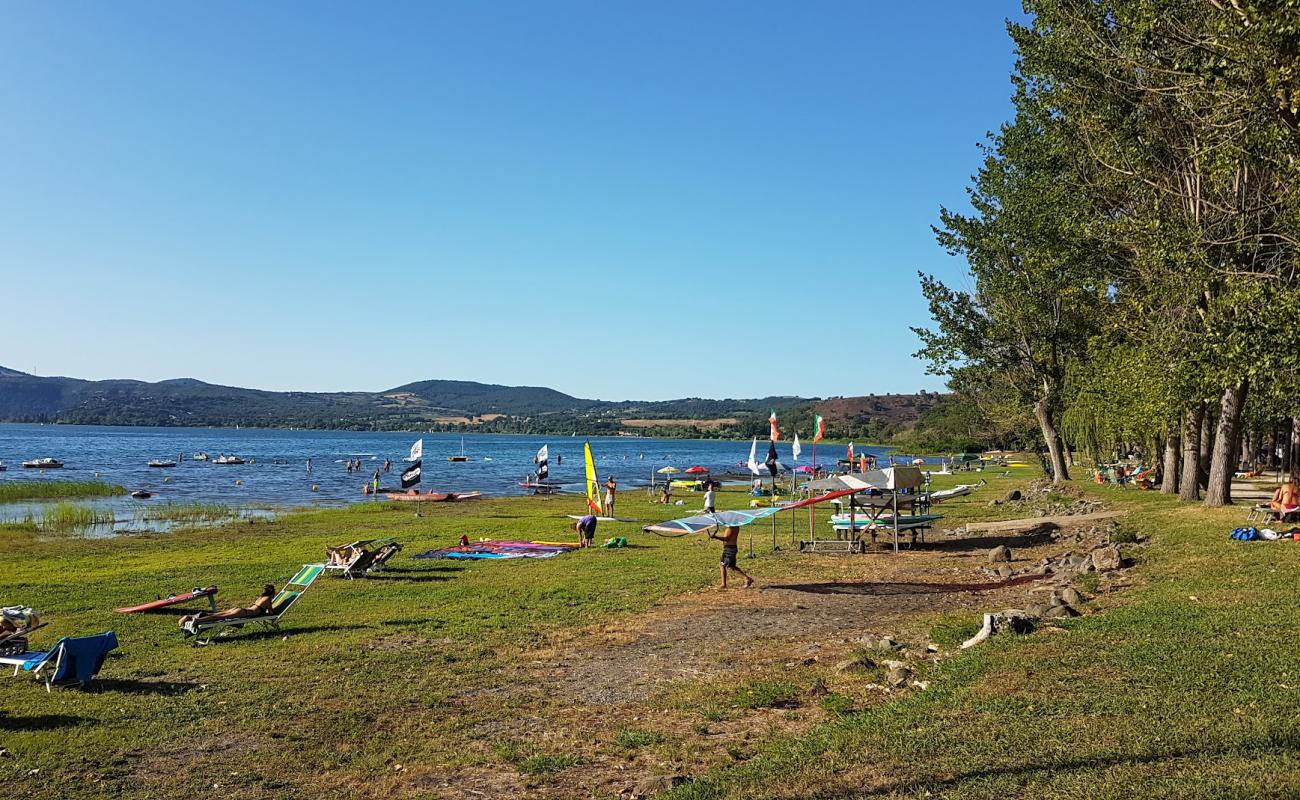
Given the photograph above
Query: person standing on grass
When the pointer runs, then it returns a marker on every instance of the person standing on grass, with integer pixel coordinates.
(611, 489)
(730, 549)
(586, 528)
(710, 498)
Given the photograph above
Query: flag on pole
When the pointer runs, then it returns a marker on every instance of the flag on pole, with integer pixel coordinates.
(771, 461)
(417, 451)
(819, 429)
(862, 463)
(850, 455)
(796, 449)
(753, 457)
(772, 421)
(411, 475)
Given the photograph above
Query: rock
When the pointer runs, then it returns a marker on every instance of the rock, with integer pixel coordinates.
(1005, 571)
(898, 676)
(1012, 496)
(1071, 597)
(852, 665)
(1061, 612)
(1045, 569)
(887, 643)
(818, 689)
(1106, 558)
(657, 784)
(1037, 609)
(999, 554)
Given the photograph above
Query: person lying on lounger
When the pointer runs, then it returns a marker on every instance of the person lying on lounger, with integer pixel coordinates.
(260, 608)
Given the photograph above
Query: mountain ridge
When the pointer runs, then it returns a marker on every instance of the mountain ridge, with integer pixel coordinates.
(435, 404)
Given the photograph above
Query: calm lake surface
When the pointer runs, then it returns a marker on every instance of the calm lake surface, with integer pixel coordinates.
(279, 476)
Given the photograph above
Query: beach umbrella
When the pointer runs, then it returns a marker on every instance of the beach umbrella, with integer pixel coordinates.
(805, 469)
(697, 470)
(669, 470)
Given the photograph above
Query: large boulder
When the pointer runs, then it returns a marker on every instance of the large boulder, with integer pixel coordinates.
(1106, 558)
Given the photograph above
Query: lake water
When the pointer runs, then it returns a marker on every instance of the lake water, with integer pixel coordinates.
(278, 478)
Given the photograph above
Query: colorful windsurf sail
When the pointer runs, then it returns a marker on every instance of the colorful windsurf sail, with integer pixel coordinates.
(541, 460)
(593, 483)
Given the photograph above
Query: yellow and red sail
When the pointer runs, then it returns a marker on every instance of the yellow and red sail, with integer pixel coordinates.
(593, 483)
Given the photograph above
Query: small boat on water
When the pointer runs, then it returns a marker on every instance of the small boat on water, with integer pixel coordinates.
(2, 466)
(141, 494)
(43, 463)
(462, 456)
(162, 462)
(200, 456)
(227, 460)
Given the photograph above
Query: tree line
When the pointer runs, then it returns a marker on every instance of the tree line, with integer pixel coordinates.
(1132, 242)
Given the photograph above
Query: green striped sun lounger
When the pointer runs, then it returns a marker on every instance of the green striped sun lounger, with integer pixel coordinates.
(203, 632)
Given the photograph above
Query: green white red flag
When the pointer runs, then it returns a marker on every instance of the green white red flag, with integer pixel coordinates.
(819, 429)
(772, 421)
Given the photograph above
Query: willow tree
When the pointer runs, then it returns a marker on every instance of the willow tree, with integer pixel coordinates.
(1035, 274)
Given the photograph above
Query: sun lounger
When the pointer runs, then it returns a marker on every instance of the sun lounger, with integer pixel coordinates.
(203, 632)
(368, 556)
(72, 661)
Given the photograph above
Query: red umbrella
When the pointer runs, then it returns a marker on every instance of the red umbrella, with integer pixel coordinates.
(697, 470)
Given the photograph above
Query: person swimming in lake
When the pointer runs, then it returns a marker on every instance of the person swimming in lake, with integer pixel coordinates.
(730, 549)
(260, 608)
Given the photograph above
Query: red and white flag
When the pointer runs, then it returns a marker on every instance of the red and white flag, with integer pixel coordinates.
(772, 421)
(850, 455)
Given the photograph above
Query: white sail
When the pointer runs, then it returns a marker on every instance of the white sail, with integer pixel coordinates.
(753, 457)
(542, 455)
(417, 451)
(796, 449)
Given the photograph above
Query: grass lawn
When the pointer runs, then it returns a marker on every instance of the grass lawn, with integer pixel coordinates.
(1185, 686)
(449, 679)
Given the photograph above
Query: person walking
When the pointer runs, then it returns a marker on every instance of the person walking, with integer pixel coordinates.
(730, 549)
(710, 497)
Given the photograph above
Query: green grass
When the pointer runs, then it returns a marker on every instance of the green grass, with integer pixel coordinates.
(11, 491)
(186, 513)
(1183, 686)
(74, 517)
(1186, 686)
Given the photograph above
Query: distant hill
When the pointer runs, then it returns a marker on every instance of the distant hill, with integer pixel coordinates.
(437, 405)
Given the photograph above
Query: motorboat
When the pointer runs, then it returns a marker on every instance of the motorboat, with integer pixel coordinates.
(200, 456)
(162, 462)
(2, 466)
(227, 460)
(141, 494)
(43, 463)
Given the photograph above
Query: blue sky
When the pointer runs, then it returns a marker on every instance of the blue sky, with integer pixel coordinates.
(615, 199)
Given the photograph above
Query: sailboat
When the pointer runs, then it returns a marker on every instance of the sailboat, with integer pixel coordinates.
(539, 481)
(462, 456)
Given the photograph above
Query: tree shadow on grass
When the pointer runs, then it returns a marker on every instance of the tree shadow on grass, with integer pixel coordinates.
(131, 686)
(885, 588)
(1022, 773)
(412, 577)
(40, 722)
(288, 630)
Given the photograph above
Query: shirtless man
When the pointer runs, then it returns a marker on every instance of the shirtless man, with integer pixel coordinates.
(730, 548)
(260, 608)
(611, 490)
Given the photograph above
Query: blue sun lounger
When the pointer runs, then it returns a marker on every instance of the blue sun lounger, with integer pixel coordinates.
(73, 661)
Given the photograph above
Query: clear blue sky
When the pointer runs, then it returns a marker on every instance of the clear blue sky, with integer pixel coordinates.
(615, 199)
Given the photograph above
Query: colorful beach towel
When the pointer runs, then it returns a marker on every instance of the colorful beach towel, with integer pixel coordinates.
(498, 550)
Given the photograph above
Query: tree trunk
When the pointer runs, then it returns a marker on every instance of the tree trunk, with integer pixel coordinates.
(1053, 439)
(1206, 443)
(1293, 468)
(1189, 484)
(1169, 485)
(1224, 460)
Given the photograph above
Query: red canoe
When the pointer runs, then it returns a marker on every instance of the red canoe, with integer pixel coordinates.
(208, 592)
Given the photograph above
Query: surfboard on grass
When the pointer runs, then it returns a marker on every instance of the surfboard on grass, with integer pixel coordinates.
(209, 592)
